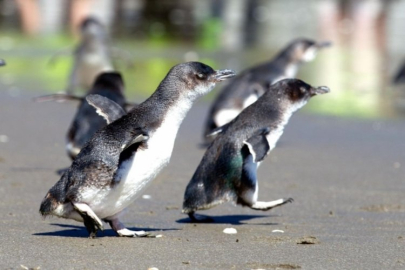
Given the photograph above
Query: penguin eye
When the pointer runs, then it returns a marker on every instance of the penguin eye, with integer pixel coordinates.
(302, 90)
(200, 76)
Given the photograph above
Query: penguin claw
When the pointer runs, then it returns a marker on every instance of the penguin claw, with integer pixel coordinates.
(289, 200)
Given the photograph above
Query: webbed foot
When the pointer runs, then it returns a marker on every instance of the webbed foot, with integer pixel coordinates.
(120, 229)
(265, 206)
(128, 233)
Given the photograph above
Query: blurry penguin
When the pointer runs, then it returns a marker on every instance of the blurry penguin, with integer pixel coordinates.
(87, 121)
(122, 159)
(92, 56)
(249, 85)
(399, 77)
(228, 170)
(108, 88)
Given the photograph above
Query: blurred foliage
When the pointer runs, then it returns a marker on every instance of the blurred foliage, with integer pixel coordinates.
(209, 38)
(28, 67)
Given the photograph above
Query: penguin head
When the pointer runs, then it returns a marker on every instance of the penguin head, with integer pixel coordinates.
(305, 50)
(197, 78)
(92, 28)
(109, 80)
(296, 93)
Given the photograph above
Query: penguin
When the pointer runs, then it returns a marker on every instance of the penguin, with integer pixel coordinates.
(92, 55)
(399, 77)
(121, 159)
(228, 170)
(87, 121)
(250, 84)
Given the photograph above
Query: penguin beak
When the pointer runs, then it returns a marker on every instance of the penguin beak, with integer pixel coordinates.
(319, 90)
(223, 74)
(323, 44)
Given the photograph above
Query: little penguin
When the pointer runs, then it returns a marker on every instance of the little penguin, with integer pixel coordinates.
(87, 121)
(92, 55)
(121, 159)
(250, 84)
(228, 170)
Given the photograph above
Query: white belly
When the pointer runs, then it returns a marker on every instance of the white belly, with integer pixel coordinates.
(273, 136)
(136, 173)
(276, 132)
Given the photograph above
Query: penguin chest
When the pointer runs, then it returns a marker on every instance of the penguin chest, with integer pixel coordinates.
(137, 172)
(273, 136)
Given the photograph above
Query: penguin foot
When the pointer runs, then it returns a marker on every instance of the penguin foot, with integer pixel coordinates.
(128, 233)
(90, 219)
(200, 218)
(120, 229)
(265, 206)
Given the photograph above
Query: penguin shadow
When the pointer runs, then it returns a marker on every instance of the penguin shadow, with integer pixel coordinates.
(229, 219)
(80, 231)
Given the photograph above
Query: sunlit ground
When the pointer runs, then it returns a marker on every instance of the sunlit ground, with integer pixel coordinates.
(359, 80)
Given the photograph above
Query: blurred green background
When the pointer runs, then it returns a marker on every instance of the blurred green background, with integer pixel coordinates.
(367, 47)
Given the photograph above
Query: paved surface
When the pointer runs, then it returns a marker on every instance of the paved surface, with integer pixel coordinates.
(347, 178)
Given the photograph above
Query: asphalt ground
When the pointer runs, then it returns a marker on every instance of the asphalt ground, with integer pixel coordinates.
(347, 178)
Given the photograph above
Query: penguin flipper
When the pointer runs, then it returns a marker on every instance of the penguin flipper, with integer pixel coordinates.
(105, 107)
(60, 97)
(216, 131)
(141, 137)
(258, 145)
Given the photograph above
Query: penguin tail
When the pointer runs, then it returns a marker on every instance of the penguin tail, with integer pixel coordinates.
(194, 199)
(48, 205)
(188, 205)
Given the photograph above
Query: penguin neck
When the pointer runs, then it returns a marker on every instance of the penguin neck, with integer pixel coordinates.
(287, 63)
(280, 109)
(168, 105)
(291, 109)
(278, 127)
